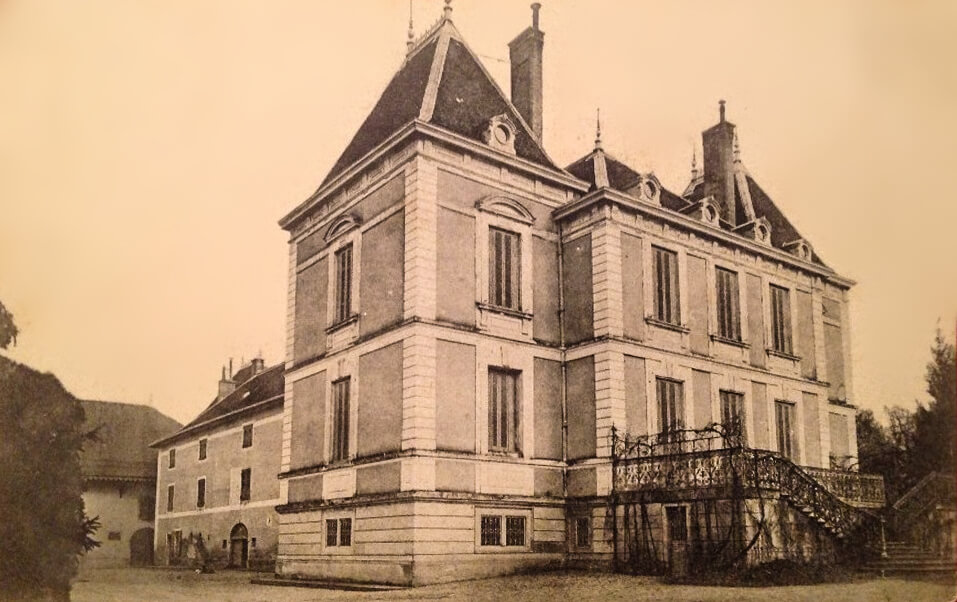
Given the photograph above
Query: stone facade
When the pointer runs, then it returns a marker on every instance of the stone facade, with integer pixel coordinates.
(453, 410)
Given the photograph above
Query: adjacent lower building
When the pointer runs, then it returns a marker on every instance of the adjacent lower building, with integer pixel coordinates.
(119, 480)
(217, 480)
(498, 364)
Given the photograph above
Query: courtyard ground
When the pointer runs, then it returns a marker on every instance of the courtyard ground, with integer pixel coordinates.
(105, 585)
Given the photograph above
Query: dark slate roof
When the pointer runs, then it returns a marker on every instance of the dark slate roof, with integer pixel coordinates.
(266, 385)
(466, 97)
(620, 177)
(782, 230)
(124, 433)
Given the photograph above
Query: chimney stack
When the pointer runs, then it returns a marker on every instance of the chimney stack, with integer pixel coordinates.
(258, 364)
(718, 143)
(525, 56)
(226, 384)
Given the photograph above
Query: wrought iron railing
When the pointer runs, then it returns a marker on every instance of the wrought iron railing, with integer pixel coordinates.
(856, 489)
(712, 458)
(933, 489)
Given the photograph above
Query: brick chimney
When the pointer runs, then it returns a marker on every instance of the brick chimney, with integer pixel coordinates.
(525, 56)
(718, 142)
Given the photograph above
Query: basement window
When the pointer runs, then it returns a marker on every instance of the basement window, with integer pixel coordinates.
(503, 531)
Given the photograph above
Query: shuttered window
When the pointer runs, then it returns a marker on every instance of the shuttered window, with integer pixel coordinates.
(245, 484)
(781, 320)
(343, 306)
(340, 419)
(201, 493)
(502, 410)
(504, 269)
(670, 405)
(666, 298)
(172, 458)
(728, 304)
(170, 492)
(784, 419)
(202, 449)
(248, 435)
(732, 412)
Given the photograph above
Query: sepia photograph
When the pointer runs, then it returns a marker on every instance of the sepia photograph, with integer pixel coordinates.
(478, 300)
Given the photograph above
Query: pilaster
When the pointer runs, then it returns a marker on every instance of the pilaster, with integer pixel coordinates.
(609, 398)
(421, 224)
(606, 277)
(418, 392)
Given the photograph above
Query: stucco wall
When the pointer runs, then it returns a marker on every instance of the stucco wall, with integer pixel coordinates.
(455, 284)
(581, 408)
(117, 504)
(577, 282)
(454, 396)
(379, 401)
(308, 421)
(381, 275)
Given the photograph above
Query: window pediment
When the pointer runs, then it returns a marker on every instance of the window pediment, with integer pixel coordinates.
(507, 208)
(343, 224)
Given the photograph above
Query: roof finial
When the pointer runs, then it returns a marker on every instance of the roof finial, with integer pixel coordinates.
(737, 148)
(447, 11)
(598, 129)
(721, 110)
(410, 42)
(694, 163)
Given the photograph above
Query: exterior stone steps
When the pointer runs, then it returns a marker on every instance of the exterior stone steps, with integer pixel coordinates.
(906, 558)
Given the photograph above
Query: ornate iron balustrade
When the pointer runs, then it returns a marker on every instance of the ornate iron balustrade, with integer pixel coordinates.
(703, 459)
(856, 489)
(933, 489)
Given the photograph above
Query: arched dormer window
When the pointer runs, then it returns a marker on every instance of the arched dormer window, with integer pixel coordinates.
(800, 249)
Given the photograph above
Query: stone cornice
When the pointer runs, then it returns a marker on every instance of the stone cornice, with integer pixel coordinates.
(681, 221)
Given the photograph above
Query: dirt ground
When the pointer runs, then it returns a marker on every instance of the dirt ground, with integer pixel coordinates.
(161, 585)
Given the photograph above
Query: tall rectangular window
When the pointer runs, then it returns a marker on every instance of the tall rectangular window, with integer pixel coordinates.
(201, 493)
(343, 301)
(332, 532)
(338, 532)
(784, 419)
(728, 304)
(172, 458)
(504, 269)
(670, 405)
(345, 531)
(248, 435)
(780, 320)
(340, 419)
(732, 412)
(514, 530)
(502, 410)
(245, 482)
(666, 298)
(202, 449)
(170, 492)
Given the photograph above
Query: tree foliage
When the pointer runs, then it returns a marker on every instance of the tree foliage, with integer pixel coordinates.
(8, 329)
(915, 443)
(43, 526)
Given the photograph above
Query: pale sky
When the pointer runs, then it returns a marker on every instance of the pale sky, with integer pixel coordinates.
(148, 148)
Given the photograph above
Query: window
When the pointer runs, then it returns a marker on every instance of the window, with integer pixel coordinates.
(147, 507)
(582, 532)
(491, 530)
(677, 522)
(502, 410)
(514, 530)
(248, 435)
(666, 300)
(244, 484)
(172, 458)
(780, 320)
(340, 419)
(202, 449)
(732, 412)
(504, 269)
(169, 498)
(670, 405)
(338, 532)
(201, 493)
(343, 300)
(729, 312)
(513, 535)
(784, 419)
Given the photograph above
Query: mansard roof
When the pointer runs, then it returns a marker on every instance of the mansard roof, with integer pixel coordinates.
(749, 196)
(441, 82)
(600, 169)
(253, 389)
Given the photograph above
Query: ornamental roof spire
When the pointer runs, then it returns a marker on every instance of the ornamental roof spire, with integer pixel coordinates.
(598, 129)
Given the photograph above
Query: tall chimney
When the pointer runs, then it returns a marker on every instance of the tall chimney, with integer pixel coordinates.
(718, 142)
(226, 384)
(525, 56)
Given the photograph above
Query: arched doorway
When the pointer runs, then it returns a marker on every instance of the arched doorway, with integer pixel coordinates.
(141, 547)
(238, 546)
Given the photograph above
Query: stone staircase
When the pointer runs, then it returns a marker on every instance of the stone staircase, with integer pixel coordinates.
(908, 559)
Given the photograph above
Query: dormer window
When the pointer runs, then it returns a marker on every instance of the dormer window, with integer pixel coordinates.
(800, 249)
(759, 230)
(500, 134)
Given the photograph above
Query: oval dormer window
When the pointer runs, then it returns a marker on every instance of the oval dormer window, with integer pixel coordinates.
(502, 134)
(762, 234)
(710, 213)
(649, 189)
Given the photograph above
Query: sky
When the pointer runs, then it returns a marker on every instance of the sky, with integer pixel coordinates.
(148, 149)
